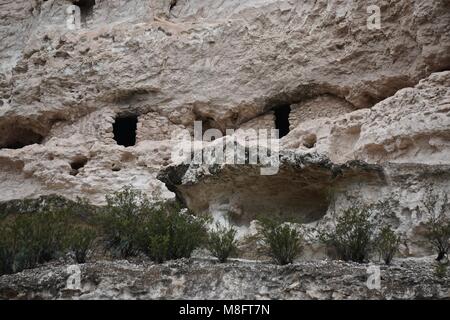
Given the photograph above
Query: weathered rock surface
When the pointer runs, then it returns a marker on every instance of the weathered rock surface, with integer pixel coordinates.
(223, 62)
(309, 188)
(197, 279)
(412, 126)
(301, 186)
(369, 109)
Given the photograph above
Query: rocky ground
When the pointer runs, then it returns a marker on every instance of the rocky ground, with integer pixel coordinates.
(206, 279)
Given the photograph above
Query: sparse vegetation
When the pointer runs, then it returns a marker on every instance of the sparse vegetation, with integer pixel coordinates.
(280, 241)
(438, 223)
(222, 242)
(438, 234)
(40, 230)
(441, 270)
(79, 242)
(30, 239)
(352, 234)
(130, 225)
(171, 233)
(387, 244)
(7, 252)
(121, 221)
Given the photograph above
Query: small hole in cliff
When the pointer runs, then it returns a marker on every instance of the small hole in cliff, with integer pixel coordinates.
(124, 130)
(115, 167)
(77, 164)
(86, 9)
(16, 137)
(282, 119)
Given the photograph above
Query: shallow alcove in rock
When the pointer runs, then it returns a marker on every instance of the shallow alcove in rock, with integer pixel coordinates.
(124, 129)
(77, 163)
(299, 190)
(282, 119)
(244, 195)
(16, 137)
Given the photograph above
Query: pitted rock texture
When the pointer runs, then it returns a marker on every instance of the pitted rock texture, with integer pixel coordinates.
(225, 62)
(412, 126)
(379, 98)
(202, 279)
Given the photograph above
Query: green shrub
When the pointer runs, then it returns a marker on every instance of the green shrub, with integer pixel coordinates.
(30, 239)
(352, 235)
(130, 225)
(438, 233)
(7, 255)
(171, 233)
(121, 221)
(35, 231)
(438, 224)
(279, 241)
(222, 242)
(79, 241)
(387, 244)
(441, 270)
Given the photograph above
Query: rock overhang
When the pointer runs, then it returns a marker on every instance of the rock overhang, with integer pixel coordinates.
(300, 189)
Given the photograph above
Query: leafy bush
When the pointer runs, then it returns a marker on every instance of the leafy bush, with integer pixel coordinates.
(438, 233)
(387, 244)
(7, 255)
(30, 239)
(352, 235)
(171, 233)
(34, 231)
(131, 225)
(441, 270)
(279, 241)
(121, 221)
(438, 224)
(79, 241)
(222, 242)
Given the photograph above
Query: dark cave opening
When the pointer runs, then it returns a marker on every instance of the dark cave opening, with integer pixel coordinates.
(282, 119)
(86, 9)
(124, 129)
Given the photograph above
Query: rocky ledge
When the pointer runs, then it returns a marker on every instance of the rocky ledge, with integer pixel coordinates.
(238, 279)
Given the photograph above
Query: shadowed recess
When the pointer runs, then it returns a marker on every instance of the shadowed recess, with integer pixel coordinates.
(124, 130)
(86, 9)
(16, 137)
(282, 119)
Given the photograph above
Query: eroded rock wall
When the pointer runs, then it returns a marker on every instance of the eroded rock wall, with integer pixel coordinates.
(377, 96)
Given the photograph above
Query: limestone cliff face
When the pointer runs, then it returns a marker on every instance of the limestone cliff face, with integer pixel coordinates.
(368, 109)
